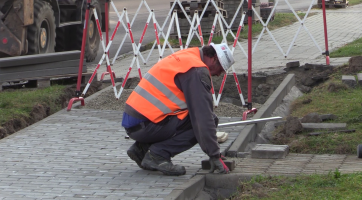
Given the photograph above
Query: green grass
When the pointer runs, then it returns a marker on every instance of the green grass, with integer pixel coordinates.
(354, 2)
(17, 103)
(351, 49)
(333, 185)
(331, 97)
(280, 20)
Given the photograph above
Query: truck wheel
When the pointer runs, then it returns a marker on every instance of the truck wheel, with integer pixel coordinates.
(62, 41)
(41, 34)
(6, 6)
(92, 39)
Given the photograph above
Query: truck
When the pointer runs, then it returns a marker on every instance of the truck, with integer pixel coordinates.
(30, 27)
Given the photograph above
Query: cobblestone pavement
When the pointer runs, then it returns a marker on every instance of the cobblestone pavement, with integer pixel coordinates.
(82, 154)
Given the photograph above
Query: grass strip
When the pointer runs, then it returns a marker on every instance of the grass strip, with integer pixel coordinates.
(331, 97)
(351, 49)
(20, 102)
(354, 2)
(333, 185)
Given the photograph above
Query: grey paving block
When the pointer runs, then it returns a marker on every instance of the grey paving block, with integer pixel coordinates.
(269, 151)
(323, 126)
(349, 80)
(359, 77)
(293, 64)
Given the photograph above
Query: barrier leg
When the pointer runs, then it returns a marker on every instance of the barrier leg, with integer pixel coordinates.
(245, 113)
(77, 92)
(325, 31)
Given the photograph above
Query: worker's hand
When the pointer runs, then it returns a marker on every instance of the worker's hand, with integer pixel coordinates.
(218, 163)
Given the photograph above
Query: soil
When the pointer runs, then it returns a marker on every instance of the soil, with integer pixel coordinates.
(263, 85)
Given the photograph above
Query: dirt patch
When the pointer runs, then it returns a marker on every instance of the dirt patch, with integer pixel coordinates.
(354, 65)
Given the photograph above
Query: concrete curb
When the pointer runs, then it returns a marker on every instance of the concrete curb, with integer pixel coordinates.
(190, 189)
(249, 133)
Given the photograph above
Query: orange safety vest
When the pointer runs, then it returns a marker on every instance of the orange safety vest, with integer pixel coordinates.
(157, 96)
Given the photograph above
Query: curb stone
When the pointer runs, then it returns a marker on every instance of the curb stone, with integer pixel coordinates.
(249, 133)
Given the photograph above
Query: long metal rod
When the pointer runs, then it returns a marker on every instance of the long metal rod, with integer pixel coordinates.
(245, 122)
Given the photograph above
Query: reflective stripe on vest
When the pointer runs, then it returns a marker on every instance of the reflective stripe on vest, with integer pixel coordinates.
(161, 87)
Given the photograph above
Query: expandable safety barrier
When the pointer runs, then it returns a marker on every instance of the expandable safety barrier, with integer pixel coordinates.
(195, 30)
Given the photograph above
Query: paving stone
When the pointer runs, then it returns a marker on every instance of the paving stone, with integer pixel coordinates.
(359, 78)
(267, 151)
(293, 64)
(349, 80)
(323, 126)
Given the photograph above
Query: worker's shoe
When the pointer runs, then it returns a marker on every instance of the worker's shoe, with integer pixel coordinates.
(163, 165)
(137, 152)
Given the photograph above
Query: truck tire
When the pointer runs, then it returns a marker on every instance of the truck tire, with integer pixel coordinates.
(6, 6)
(62, 41)
(41, 34)
(93, 38)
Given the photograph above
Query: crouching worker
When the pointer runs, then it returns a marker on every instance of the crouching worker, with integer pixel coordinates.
(171, 109)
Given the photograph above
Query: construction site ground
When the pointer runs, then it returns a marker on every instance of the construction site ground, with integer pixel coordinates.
(82, 153)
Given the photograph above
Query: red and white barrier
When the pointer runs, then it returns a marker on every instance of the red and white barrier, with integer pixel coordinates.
(105, 55)
(195, 29)
(232, 67)
(136, 53)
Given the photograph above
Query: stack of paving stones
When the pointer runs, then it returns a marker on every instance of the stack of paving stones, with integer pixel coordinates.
(256, 4)
(207, 20)
(334, 3)
(266, 11)
(231, 7)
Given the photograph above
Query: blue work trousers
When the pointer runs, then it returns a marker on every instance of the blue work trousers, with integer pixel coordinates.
(167, 138)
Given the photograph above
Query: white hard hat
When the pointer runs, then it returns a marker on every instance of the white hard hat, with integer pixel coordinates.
(223, 52)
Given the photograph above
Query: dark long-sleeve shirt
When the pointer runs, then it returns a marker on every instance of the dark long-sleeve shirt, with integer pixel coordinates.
(196, 86)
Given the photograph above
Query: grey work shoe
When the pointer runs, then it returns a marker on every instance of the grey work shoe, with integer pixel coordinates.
(163, 165)
(137, 152)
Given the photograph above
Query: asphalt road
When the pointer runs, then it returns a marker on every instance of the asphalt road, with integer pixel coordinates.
(161, 9)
